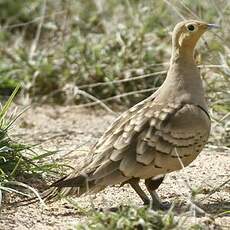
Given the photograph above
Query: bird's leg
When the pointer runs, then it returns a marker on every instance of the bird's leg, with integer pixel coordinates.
(151, 186)
(135, 185)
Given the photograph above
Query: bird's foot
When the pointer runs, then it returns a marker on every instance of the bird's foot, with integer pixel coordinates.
(159, 206)
(111, 209)
(114, 209)
(164, 206)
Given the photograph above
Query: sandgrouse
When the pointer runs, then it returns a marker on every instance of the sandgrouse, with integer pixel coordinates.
(161, 134)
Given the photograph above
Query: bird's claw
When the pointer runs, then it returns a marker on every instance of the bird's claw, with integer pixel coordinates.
(164, 206)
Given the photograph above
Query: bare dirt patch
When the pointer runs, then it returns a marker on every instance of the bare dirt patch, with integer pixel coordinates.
(72, 131)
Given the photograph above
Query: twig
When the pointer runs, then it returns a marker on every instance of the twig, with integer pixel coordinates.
(175, 9)
(193, 205)
(223, 118)
(188, 9)
(29, 188)
(123, 80)
(212, 66)
(117, 96)
(33, 21)
(142, 76)
(96, 100)
(215, 190)
(100, 8)
(147, 66)
(38, 33)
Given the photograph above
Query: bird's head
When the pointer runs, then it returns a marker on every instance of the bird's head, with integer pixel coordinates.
(187, 33)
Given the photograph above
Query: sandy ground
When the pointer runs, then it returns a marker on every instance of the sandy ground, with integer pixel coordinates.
(72, 131)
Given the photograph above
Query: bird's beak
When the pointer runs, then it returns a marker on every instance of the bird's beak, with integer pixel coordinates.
(213, 26)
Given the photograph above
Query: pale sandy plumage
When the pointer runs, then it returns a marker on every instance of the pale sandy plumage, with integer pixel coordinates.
(146, 141)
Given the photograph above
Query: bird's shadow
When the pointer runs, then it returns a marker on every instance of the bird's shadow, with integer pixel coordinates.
(215, 208)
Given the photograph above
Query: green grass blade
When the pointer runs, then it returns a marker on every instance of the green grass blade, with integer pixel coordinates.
(7, 104)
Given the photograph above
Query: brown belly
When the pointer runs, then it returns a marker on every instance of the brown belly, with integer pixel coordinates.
(164, 164)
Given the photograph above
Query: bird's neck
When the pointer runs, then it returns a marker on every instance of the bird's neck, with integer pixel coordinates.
(183, 56)
(182, 64)
(183, 81)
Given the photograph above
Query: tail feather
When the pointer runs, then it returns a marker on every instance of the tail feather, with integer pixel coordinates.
(77, 184)
(68, 185)
(71, 181)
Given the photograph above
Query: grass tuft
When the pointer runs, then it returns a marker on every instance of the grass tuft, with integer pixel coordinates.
(130, 218)
(20, 162)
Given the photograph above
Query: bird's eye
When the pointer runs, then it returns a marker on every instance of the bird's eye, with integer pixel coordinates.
(191, 27)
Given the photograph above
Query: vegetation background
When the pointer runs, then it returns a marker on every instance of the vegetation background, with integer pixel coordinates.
(103, 53)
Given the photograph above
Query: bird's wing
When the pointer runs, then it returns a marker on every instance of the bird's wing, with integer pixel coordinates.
(102, 150)
(149, 135)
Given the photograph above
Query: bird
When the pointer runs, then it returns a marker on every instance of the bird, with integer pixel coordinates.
(161, 134)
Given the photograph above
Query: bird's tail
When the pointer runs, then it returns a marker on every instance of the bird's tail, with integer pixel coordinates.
(92, 181)
(72, 185)
(69, 185)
